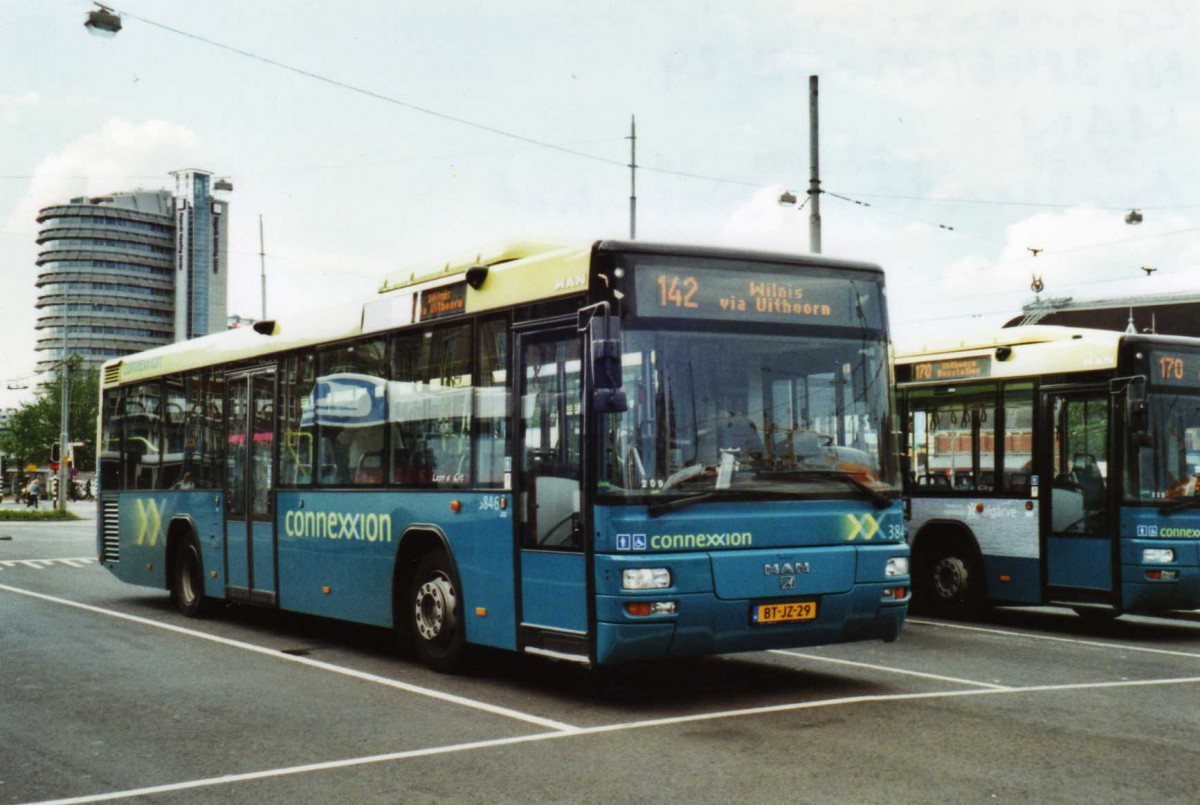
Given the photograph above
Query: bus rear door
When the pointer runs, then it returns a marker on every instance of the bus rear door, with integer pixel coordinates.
(553, 560)
(249, 474)
(1078, 520)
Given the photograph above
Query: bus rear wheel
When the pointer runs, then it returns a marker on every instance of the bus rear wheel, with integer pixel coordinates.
(435, 614)
(187, 580)
(950, 581)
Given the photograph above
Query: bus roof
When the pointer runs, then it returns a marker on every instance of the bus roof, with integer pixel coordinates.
(531, 271)
(481, 280)
(1014, 352)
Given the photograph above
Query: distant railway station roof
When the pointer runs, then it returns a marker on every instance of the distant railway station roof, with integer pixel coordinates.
(1166, 314)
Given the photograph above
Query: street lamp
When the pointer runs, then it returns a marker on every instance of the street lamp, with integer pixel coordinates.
(103, 22)
(65, 401)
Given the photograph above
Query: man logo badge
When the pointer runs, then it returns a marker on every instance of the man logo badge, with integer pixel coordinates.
(786, 572)
(785, 569)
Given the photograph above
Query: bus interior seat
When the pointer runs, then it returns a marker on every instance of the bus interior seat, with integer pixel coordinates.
(369, 469)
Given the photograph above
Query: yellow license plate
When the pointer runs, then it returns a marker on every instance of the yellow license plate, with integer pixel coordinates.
(785, 613)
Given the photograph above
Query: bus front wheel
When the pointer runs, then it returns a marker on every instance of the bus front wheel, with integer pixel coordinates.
(950, 580)
(187, 580)
(435, 606)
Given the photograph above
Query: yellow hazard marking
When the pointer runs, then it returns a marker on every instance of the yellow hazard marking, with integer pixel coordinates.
(149, 522)
(866, 526)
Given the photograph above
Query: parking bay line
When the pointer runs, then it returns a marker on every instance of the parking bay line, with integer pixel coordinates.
(889, 669)
(610, 728)
(528, 718)
(1052, 638)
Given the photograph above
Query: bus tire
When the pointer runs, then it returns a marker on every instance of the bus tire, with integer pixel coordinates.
(950, 580)
(187, 579)
(435, 613)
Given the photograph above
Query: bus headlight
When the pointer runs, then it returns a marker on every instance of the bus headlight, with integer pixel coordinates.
(645, 578)
(896, 566)
(1158, 556)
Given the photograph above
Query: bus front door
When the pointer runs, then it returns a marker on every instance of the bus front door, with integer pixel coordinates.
(553, 561)
(1078, 547)
(249, 473)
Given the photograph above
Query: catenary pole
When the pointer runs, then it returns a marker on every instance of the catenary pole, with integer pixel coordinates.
(814, 181)
(632, 177)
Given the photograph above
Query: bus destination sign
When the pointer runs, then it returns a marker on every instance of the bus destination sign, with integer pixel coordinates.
(449, 300)
(955, 369)
(685, 292)
(1175, 368)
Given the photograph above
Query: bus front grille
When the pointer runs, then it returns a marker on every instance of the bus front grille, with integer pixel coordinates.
(111, 524)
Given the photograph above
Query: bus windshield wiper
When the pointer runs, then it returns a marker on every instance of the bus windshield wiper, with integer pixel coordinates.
(659, 509)
(1173, 506)
(877, 499)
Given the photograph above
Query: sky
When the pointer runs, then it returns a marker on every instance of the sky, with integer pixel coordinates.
(955, 138)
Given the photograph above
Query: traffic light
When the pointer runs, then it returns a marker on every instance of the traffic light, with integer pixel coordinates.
(55, 452)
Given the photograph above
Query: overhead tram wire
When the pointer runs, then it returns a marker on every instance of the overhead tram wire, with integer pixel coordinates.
(1041, 204)
(428, 111)
(856, 202)
(379, 96)
(560, 148)
(1026, 259)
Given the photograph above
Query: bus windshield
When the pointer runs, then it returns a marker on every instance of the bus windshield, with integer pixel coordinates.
(749, 413)
(1167, 463)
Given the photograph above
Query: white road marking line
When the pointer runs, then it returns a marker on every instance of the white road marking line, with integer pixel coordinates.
(610, 728)
(1052, 638)
(308, 661)
(889, 669)
(77, 562)
(43, 564)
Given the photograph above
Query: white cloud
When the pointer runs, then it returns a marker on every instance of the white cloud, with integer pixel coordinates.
(11, 106)
(120, 156)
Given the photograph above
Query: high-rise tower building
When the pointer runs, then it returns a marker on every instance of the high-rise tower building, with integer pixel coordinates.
(201, 256)
(129, 271)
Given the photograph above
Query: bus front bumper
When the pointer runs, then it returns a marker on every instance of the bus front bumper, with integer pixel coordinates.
(702, 624)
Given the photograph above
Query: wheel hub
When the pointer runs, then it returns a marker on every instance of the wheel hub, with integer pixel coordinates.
(950, 577)
(436, 607)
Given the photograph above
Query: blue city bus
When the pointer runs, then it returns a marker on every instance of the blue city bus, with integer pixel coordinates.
(1054, 465)
(599, 453)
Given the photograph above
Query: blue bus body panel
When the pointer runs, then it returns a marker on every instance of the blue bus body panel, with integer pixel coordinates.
(726, 558)
(145, 518)
(348, 542)
(263, 537)
(1083, 562)
(237, 559)
(1013, 579)
(550, 590)
(1144, 527)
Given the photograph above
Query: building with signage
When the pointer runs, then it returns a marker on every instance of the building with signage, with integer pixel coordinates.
(128, 271)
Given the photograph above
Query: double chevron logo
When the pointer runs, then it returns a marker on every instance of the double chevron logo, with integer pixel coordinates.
(865, 526)
(148, 517)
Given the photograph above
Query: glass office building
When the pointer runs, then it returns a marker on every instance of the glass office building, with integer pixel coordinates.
(130, 271)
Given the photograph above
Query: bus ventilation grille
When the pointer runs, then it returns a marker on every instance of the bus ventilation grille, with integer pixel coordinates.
(109, 511)
(112, 373)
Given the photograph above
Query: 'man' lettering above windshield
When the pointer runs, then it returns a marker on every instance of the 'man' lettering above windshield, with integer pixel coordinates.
(772, 294)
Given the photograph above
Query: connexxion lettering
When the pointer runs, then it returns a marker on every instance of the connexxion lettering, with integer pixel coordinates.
(369, 527)
(734, 539)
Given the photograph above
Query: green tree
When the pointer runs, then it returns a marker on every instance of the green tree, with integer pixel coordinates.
(37, 424)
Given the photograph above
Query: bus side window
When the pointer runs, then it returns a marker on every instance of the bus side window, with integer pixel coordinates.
(1017, 441)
